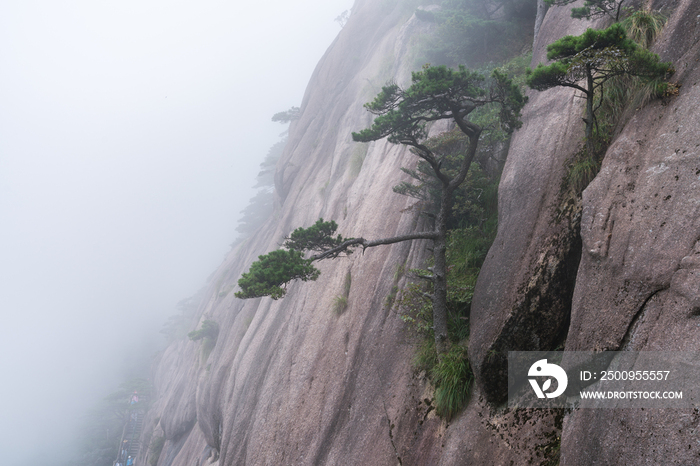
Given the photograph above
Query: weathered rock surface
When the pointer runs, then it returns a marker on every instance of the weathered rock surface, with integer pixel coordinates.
(290, 382)
(638, 286)
(641, 215)
(523, 296)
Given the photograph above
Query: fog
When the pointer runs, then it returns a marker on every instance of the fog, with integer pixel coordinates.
(130, 136)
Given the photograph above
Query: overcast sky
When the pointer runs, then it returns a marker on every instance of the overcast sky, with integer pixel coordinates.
(130, 136)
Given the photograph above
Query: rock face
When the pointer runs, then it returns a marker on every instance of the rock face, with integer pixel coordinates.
(638, 286)
(523, 296)
(289, 381)
(293, 382)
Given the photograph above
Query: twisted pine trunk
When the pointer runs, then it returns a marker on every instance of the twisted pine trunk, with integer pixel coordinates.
(590, 116)
(440, 273)
(440, 242)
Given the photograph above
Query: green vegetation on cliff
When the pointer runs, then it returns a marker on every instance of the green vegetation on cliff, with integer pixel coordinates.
(209, 333)
(589, 61)
(614, 70)
(472, 228)
(592, 8)
(436, 93)
(475, 32)
(465, 165)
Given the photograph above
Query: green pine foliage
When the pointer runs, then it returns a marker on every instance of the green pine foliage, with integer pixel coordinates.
(177, 326)
(589, 61)
(435, 92)
(476, 32)
(260, 206)
(287, 116)
(210, 329)
(592, 8)
(269, 275)
(472, 229)
(318, 237)
(472, 221)
(441, 93)
(572, 49)
(467, 208)
(616, 101)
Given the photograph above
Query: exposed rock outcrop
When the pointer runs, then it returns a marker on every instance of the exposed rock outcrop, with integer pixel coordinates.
(638, 286)
(522, 299)
(291, 382)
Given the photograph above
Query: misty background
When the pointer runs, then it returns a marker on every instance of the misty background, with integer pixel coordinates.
(130, 137)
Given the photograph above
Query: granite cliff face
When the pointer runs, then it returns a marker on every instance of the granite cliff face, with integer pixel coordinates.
(638, 286)
(291, 382)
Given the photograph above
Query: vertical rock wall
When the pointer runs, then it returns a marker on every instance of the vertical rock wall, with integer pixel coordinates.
(523, 296)
(638, 286)
(291, 382)
(635, 287)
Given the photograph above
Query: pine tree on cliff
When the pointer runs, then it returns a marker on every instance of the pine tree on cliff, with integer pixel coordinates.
(588, 61)
(592, 8)
(436, 93)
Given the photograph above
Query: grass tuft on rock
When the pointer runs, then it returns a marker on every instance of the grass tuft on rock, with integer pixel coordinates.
(644, 26)
(340, 304)
(453, 379)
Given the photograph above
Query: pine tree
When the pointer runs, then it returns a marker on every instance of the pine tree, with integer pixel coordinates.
(436, 93)
(588, 61)
(592, 8)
